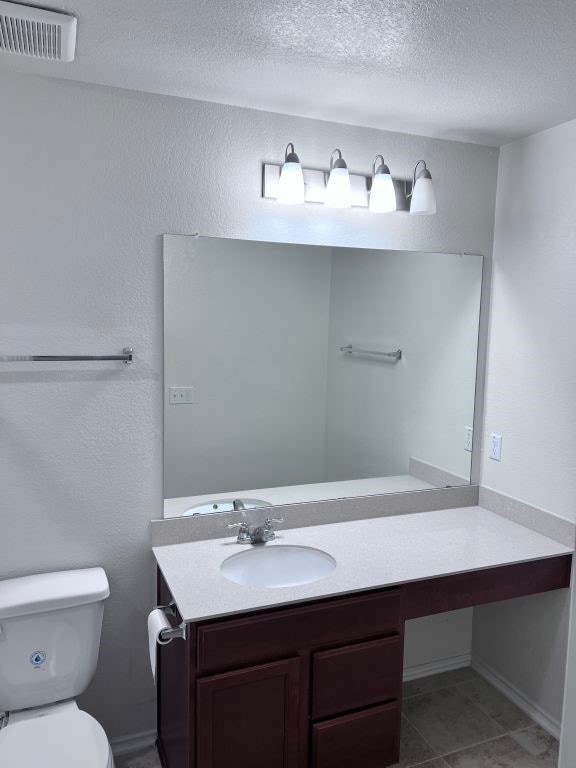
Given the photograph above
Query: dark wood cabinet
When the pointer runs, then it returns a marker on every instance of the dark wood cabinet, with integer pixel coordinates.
(249, 718)
(366, 739)
(356, 676)
(316, 685)
(280, 633)
(281, 688)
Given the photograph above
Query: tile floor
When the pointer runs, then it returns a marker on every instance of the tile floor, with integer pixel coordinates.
(458, 720)
(452, 720)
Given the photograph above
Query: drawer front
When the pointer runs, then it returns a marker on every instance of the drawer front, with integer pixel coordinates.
(366, 739)
(235, 643)
(449, 593)
(357, 676)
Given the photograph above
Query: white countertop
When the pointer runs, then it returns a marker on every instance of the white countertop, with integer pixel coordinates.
(373, 553)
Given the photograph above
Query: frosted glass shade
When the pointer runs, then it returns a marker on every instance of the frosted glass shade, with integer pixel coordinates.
(338, 191)
(423, 196)
(382, 194)
(291, 184)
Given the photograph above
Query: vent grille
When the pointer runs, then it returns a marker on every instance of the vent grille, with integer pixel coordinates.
(35, 32)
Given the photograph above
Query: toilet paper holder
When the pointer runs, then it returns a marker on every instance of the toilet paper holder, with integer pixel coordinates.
(167, 635)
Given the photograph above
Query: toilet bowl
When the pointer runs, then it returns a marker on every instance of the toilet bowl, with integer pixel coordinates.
(57, 736)
(49, 640)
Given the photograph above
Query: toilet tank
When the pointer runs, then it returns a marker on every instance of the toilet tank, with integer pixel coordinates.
(49, 636)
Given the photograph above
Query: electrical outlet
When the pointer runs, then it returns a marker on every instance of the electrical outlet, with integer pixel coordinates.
(496, 447)
(468, 437)
(181, 395)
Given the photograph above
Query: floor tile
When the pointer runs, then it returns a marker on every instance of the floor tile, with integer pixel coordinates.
(449, 721)
(496, 705)
(508, 752)
(147, 758)
(413, 749)
(437, 682)
(538, 743)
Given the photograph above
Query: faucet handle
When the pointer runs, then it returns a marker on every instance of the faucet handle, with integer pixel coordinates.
(244, 536)
(269, 520)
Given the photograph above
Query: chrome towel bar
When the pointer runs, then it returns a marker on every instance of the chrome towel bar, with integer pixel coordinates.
(350, 350)
(126, 357)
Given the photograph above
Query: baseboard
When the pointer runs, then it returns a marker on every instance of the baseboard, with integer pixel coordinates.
(435, 667)
(134, 743)
(533, 710)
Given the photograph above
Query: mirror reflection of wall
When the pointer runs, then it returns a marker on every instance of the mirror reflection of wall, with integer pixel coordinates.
(263, 399)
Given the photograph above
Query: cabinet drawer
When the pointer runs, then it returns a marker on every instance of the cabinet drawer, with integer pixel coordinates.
(276, 634)
(356, 676)
(366, 739)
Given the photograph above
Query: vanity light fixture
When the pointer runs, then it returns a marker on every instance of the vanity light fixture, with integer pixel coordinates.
(382, 192)
(338, 190)
(423, 197)
(291, 182)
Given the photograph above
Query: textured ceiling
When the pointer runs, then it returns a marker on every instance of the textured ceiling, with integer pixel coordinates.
(485, 71)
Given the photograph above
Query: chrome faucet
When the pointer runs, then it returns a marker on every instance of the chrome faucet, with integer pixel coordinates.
(256, 534)
(238, 505)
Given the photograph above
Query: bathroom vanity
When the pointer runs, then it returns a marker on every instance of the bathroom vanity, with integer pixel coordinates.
(314, 384)
(310, 676)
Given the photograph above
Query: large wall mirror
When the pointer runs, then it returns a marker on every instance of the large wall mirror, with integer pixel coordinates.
(298, 373)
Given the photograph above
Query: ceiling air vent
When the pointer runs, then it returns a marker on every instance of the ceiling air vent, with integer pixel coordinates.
(35, 32)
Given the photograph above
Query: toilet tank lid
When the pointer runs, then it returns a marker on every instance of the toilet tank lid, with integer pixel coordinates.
(52, 591)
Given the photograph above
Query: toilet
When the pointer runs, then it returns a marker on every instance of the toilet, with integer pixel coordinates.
(49, 640)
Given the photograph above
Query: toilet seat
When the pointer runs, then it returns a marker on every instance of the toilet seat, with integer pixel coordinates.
(56, 736)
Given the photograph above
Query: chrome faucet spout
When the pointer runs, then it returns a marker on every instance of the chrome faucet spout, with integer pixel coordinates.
(238, 505)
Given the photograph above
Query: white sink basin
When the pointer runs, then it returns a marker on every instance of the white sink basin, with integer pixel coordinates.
(278, 566)
(222, 505)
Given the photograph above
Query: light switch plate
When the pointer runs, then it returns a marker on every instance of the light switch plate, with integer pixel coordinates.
(468, 437)
(181, 395)
(496, 447)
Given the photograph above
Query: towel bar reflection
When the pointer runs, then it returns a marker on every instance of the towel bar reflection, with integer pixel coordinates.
(126, 357)
(394, 356)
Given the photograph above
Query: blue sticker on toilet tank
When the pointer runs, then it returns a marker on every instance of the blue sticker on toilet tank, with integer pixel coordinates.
(37, 658)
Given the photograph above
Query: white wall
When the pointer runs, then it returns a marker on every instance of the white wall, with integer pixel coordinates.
(524, 642)
(245, 324)
(531, 380)
(379, 414)
(444, 637)
(91, 177)
(531, 388)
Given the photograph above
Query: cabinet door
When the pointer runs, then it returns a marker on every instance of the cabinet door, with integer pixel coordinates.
(250, 718)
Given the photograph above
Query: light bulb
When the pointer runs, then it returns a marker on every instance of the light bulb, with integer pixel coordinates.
(291, 182)
(338, 190)
(423, 196)
(382, 192)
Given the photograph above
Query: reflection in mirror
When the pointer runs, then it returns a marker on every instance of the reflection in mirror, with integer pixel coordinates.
(299, 373)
